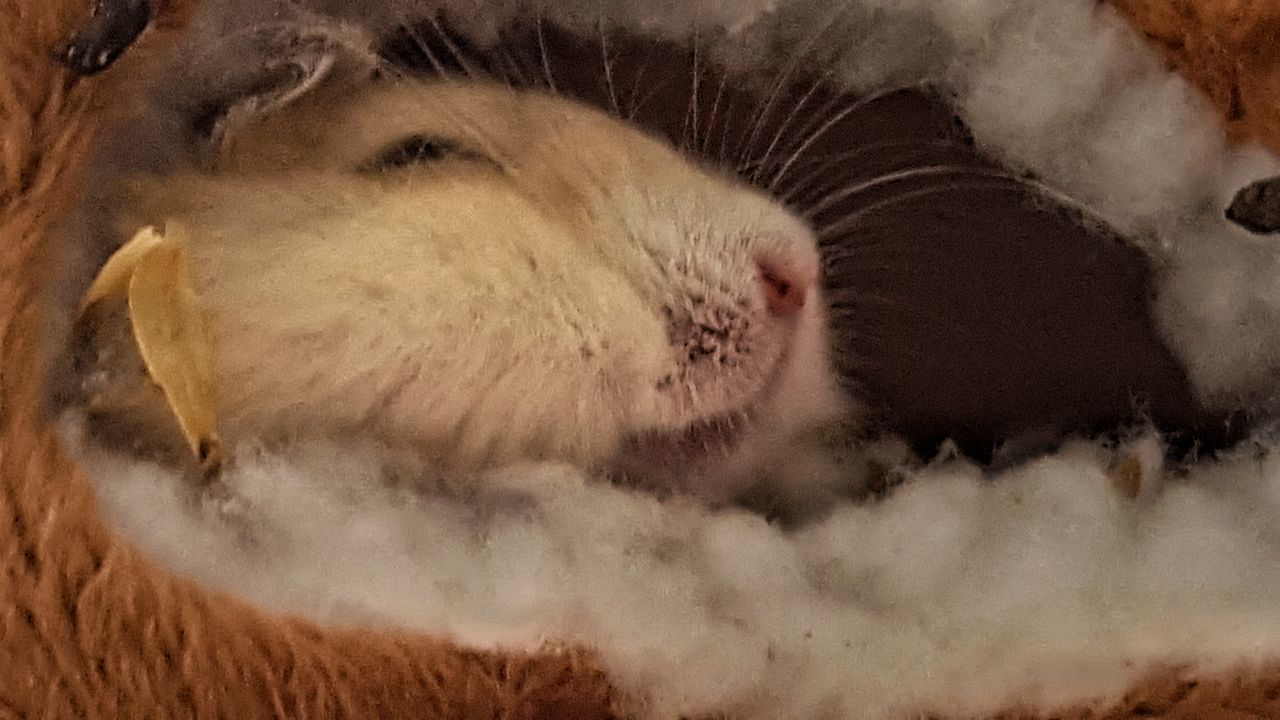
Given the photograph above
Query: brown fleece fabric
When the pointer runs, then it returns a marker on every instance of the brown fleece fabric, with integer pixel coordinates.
(1229, 48)
(89, 628)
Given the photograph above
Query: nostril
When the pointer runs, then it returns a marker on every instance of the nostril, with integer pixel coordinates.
(786, 287)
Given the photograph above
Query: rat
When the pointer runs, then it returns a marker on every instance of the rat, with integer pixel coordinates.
(485, 275)
(935, 364)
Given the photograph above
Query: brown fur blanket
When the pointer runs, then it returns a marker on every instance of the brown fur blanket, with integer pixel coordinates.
(89, 627)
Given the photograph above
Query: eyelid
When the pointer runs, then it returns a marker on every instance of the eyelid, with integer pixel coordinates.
(418, 149)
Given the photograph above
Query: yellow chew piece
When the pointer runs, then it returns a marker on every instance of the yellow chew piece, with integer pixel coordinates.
(113, 278)
(172, 333)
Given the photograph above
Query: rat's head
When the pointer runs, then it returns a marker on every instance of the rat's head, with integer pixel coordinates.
(563, 284)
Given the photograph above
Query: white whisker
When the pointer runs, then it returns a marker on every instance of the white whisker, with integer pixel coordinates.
(453, 48)
(851, 220)
(715, 108)
(636, 107)
(782, 128)
(633, 101)
(546, 59)
(784, 77)
(843, 158)
(825, 128)
(608, 68)
(722, 154)
(926, 171)
(691, 113)
(425, 47)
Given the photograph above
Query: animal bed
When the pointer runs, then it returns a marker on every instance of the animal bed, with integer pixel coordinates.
(1040, 591)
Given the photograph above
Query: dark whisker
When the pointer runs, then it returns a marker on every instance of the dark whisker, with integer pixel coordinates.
(862, 296)
(881, 246)
(515, 71)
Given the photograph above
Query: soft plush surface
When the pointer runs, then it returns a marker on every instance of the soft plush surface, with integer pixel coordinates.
(1228, 48)
(89, 627)
(1047, 590)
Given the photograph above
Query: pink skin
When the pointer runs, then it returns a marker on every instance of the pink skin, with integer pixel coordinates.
(787, 277)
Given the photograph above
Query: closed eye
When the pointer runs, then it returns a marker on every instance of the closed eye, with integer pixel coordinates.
(419, 149)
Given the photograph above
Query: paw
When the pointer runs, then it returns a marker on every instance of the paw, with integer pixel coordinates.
(113, 26)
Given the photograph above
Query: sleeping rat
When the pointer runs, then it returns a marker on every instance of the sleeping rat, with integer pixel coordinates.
(942, 360)
(484, 275)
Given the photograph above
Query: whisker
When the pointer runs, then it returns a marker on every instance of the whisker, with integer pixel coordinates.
(824, 129)
(863, 297)
(822, 164)
(635, 88)
(453, 48)
(509, 61)
(784, 77)
(995, 177)
(691, 113)
(636, 107)
(390, 69)
(926, 171)
(782, 128)
(715, 107)
(821, 115)
(608, 68)
(851, 220)
(722, 155)
(849, 339)
(411, 26)
(425, 47)
(546, 59)
(835, 253)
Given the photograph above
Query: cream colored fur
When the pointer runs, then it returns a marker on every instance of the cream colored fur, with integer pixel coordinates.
(487, 310)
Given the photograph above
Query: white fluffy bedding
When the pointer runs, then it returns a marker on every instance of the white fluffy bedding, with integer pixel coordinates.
(957, 593)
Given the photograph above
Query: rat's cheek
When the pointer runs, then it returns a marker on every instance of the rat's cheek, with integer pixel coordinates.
(808, 390)
(643, 369)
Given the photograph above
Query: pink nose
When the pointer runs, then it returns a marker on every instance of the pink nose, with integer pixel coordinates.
(787, 282)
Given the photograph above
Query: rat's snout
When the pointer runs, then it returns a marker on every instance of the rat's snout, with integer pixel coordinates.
(788, 280)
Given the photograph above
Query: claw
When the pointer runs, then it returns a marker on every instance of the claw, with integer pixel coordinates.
(113, 26)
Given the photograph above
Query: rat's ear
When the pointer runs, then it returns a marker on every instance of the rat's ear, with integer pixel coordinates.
(272, 66)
